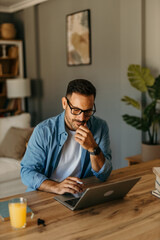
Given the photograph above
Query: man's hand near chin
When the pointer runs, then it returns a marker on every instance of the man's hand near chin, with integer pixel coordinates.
(69, 185)
(85, 138)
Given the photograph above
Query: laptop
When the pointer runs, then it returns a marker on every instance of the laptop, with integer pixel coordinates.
(98, 194)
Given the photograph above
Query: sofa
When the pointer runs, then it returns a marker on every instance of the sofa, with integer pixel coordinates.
(15, 132)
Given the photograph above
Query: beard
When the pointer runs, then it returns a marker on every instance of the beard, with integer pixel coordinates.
(73, 124)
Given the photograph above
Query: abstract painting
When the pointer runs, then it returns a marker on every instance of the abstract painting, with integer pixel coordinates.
(78, 38)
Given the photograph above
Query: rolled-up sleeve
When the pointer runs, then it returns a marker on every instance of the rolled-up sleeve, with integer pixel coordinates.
(104, 143)
(105, 171)
(33, 162)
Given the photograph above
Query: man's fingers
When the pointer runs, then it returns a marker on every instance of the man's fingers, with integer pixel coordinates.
(70, 185)
(69, 190)
(75, 179)
(81, 137)
(82, 131)
(74, 185)
(84, 127)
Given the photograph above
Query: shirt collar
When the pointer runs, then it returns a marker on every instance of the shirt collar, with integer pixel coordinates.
(61, 126)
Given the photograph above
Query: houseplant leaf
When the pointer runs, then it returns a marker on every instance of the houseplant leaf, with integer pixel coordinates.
(136, 122)
(154, 91)
(153, 119)
(149, 111)
(140, 77)
(131, 101)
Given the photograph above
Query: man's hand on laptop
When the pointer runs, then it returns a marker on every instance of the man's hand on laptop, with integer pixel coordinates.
(69, 185)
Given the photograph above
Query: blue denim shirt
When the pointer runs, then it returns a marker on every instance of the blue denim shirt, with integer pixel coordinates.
(45, 145)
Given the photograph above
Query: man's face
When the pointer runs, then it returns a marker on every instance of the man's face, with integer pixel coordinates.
(77, 101)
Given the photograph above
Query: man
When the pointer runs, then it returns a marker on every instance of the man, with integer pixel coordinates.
(69, 147)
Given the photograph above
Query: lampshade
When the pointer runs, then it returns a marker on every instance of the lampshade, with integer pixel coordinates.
(18, 88)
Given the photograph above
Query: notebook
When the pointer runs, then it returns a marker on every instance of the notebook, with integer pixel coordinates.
(98, 194)
(4, 211)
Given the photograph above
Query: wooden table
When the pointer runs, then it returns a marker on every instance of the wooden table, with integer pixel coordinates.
(136, 217)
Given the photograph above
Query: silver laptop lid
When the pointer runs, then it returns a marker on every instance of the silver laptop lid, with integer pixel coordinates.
(98, 194)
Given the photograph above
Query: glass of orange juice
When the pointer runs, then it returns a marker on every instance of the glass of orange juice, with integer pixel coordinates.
(17, 212)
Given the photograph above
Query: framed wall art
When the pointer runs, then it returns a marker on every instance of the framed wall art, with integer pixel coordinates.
(78, 38)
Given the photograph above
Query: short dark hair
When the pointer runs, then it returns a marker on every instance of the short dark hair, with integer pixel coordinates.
(81, 86)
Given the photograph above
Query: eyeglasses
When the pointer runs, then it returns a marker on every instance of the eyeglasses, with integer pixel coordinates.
(78, 111)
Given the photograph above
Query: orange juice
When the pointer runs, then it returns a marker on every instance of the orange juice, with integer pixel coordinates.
(17, 212)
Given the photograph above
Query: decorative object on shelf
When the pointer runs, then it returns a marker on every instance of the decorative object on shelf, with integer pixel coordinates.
(4, 52)
(78, 38)
(9, 59)
(18, 88)
(141, 79)
(13, 52)
(8, 31)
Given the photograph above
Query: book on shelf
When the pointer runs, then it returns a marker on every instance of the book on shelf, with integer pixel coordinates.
(2, 88)
(2, 102)
(8, 104)
(15, 68)
(11, 104)
(5, 103)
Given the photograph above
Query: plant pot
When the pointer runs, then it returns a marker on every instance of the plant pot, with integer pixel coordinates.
(150, 152)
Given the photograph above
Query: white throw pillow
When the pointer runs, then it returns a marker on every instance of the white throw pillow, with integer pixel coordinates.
(22, 121)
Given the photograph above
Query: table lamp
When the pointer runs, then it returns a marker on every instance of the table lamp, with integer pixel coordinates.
(18, 88)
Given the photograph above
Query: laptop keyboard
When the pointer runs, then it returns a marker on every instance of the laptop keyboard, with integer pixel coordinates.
(72, 202)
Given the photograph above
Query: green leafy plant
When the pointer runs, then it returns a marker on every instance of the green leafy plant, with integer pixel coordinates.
(141, 79)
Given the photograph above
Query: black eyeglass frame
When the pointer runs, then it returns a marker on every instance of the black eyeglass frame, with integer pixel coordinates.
(85, 111)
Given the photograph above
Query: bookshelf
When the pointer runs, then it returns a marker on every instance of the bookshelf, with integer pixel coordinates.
(11, 66)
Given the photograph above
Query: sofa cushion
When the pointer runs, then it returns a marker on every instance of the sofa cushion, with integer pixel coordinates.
(10, 188)
(9, 170)
(22, 121)
(14, 143)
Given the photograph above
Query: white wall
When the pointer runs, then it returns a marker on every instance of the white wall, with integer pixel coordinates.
(131, 53)
(152, 36)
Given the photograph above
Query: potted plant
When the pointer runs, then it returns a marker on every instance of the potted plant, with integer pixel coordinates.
(149, 122)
